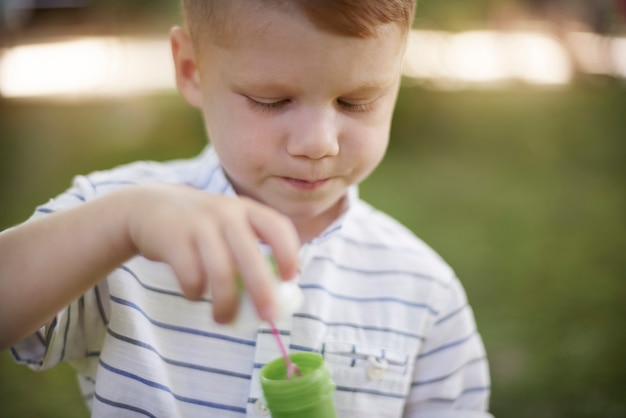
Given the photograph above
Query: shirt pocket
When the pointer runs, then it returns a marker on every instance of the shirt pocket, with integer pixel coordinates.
(372, 380)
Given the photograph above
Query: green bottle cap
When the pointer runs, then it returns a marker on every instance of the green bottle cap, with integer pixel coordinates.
(306, 396)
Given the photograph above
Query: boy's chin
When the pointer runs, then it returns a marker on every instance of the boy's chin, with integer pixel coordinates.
(313, 213)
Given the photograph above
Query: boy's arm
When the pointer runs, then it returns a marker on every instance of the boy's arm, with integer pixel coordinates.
(48, 262)
(452, 374)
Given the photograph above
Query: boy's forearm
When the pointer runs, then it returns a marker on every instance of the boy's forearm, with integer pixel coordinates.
(48, 262)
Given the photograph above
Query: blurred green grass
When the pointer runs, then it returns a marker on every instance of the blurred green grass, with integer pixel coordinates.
(521, 191)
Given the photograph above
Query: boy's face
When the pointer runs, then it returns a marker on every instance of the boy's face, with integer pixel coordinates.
(296, 114)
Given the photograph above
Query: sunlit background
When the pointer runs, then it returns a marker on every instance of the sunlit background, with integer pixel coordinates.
(508, 144)
(525, 48)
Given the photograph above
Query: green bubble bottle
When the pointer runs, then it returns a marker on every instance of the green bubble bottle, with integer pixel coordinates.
(308, 395)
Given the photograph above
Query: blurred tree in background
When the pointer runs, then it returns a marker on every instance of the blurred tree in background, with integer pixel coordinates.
(522, 190)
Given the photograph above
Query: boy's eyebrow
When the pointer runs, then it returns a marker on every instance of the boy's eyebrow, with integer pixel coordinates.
(259, 85)
(371, 87)
(365, 88)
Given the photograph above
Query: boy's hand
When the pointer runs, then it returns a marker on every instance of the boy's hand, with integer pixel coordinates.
(208, 240)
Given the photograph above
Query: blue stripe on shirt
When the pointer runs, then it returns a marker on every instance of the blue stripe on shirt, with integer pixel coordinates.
(22, 360)
(414, 274)
(151, 288)
(450, 315)
(467, 391)
(101, 310)
(77, 196)
(176, 362)
(369, 300)
(448, 345)
(44, 210)
(179, 328)
(164, 388)
(112, 183)
(65, 333)
(371, 392)
(50, 329)
(358, 326)
(449, 375)
(123, 406)
(379, 246)
(40, 337)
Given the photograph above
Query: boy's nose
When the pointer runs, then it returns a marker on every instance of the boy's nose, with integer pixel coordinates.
(314, 135)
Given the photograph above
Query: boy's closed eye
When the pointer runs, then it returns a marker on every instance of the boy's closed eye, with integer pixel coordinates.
(356, 105)
(268, 105)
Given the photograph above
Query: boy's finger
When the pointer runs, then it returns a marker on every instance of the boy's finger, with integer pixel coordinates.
(254, 268)
(280, 234)
(220, 272)
(224, 299)
(188, 268)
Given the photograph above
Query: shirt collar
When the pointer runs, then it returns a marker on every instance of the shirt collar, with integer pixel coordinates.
(349, 200)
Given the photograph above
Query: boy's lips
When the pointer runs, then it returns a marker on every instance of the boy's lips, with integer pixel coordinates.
(305, 184)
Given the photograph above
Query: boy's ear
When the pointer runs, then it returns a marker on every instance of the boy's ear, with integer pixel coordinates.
(186, 66)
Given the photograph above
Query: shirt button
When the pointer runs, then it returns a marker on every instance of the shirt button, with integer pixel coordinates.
(375, 373)
(377, 368)
(260, 408)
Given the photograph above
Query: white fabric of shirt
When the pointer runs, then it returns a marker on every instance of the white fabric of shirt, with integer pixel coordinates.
(386, 312)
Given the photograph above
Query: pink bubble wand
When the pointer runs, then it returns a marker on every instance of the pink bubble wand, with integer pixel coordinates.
(291, 367)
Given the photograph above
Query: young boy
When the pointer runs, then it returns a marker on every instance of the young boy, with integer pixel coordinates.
(297, 99)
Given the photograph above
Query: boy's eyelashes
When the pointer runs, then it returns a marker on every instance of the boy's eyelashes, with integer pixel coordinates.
(277, 105)
(355, 107)
(266, 106)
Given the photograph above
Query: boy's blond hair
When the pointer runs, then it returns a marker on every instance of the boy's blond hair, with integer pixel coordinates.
(359, 18)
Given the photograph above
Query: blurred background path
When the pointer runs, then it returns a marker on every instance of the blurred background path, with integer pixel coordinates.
(509, 144)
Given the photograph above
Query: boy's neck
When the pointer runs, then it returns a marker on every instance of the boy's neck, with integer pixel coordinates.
(312, 228)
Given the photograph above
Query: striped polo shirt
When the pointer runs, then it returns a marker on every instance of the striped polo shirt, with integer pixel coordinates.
(387, 313)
